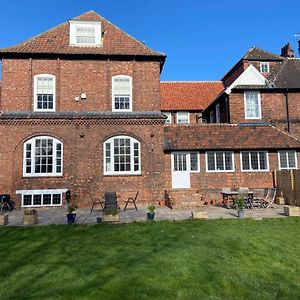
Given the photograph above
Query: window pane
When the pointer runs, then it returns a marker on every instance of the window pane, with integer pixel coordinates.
(291, 159)
(194, 161)
(228, 161)
(182, 117)
(219, 160)
(245, 161)
(254, 160)
(283, 160)
(252, 104)
(56, 199)
(37, 199)
(27, 200)
(46, 199)
(263, 160)
(211, 161)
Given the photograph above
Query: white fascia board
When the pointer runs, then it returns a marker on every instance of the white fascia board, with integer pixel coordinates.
(251, 76)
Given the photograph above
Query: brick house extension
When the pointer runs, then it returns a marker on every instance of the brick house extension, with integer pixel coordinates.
(249, 128)
(82, 108)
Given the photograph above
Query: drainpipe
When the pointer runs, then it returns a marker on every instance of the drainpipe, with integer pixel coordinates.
(287, 109)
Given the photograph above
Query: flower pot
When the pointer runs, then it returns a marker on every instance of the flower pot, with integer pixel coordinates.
(30, 219)
(99, 220)
(241, 213)
(150, 215)
(71, 218)
(161, 202)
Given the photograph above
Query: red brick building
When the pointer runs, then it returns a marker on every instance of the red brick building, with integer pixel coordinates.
(83, 108)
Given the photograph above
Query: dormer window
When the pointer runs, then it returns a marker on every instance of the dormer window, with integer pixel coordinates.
(83, 33)
(264, 67)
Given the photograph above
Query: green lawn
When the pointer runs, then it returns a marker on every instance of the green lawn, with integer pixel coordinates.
(220, 259)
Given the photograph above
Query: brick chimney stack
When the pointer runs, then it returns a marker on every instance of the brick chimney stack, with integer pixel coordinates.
(287, 51)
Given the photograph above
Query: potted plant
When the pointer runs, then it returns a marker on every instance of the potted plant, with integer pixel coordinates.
(240, 206)
(71, 206)
(30, 217)
(151, 213)
(111, 215)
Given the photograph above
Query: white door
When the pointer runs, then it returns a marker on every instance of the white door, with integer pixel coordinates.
(181, 170)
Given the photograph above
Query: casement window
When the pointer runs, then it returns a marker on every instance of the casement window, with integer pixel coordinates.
(37, 198)
(264, 67)
(218, 116)
(194, 162)
(287, 159)
(186, 161)
(43, 156)
(169, 117)
(252, 105)
(122, 156)
(183, 117)
(44, 92)
(122, 93)
(84, 33)
(254, 161)
(219, 161)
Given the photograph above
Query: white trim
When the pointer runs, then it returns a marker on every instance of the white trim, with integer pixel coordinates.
(288, 167)
(74, 24)
(251, 76)
(33, 157)
(110, 142)
(183, 112)
(251, 169)
(261, 64)
(35, 79)
(169, 115)
(113, 93)
(215, 159)
(41, 192)
(259, 105)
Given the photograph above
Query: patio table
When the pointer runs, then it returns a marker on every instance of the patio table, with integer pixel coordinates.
(231, 196)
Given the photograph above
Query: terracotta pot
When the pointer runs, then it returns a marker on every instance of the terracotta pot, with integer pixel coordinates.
(162, 203)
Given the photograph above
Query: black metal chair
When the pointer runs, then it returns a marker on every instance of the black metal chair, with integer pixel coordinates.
(110, 200)
(132, 200)
(96, 202)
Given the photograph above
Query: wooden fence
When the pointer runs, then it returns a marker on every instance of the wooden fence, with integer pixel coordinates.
(287, 183)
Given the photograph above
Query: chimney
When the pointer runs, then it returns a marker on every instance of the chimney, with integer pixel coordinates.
(287, 51)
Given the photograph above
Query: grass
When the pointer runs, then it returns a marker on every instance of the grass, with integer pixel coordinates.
(221, 259)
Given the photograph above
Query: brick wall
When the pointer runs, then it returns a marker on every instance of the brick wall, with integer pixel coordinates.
(83, 158)
(92, 77)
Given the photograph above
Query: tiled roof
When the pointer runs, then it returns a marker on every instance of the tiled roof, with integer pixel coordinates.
(56, 41)
(227, 136)
(189, 95)
(255, 53)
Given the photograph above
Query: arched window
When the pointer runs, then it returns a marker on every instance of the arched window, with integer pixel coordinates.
(43, 156)
(122, 156)
(121, 93)
(44, 92)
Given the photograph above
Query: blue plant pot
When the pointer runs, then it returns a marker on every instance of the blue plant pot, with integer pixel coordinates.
(71, 218)
(150, 215)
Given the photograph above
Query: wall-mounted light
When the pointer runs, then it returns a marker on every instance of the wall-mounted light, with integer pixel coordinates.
(76, 98)
(83, 96)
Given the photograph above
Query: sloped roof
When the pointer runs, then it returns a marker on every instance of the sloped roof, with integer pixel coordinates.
(56, 41)
(189, 95)
(227, 136)
(255, 53)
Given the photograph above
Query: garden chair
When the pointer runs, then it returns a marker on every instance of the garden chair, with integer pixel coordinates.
(270, 198)
(132, 200)
(110, 201)
(96, 202)
(258, 195)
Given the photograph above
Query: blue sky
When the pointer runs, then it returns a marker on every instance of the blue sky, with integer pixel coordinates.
(202, 39)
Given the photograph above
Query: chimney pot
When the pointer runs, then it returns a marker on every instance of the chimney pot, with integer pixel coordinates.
(287, 51)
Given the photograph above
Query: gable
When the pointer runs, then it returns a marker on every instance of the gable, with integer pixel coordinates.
(251, 76)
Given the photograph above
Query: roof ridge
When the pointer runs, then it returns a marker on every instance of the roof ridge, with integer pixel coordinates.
(285, 132)
(282, 67)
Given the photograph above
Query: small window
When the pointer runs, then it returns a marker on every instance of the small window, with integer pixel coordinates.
(194, 162)
(252, 105)
(122, 156)
(83, 33)
(43, 156)
(287, 159)
(254, 161)
(219, 161)
(218, 117)
(44, 92)
(169, 117)
(264, 67)
(122, 93)
(183, 117)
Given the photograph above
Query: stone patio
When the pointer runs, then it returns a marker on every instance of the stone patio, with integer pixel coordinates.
(48, 216)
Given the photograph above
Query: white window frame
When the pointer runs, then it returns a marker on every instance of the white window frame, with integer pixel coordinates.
(74, 24)
(288, 164)
(35, 102)
(169, 117)
(250, 164)
(32, 158)
(218, 113)
(110, 141)
(259, 105)
(186, 113)
(215, 159)
(198, 162)
(113, 93)
(264, 64)
(41, 192)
